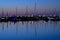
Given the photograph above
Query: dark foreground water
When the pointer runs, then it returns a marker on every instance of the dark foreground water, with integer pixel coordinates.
(30, 30)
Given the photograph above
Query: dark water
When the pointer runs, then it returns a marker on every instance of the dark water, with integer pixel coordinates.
(30, 30)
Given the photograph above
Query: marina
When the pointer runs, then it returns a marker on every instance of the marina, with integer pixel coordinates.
(27, 18)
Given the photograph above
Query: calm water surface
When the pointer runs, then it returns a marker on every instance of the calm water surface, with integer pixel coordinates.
(30, 30)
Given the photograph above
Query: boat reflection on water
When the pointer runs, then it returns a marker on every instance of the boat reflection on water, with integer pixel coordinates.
(30, 30)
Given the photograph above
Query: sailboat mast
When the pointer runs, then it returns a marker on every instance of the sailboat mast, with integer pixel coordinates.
(16, 12)
(34, 8)
(26, 10)
(7, 13)
(2, 12)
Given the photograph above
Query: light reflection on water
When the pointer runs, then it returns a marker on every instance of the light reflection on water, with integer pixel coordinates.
(30, 30)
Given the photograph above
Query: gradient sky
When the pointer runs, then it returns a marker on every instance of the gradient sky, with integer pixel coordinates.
(21, 4)
(30, 3)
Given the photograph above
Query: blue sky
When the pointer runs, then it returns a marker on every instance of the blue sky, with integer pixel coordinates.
(49, 4)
